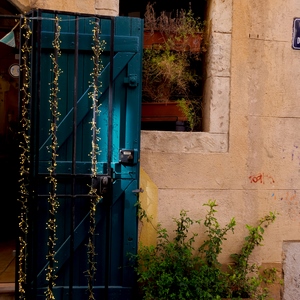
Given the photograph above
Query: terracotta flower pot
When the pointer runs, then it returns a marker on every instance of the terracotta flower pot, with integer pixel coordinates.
(162, 112)
(191, 43)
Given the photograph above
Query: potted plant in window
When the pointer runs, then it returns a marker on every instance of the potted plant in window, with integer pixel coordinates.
(171, 47)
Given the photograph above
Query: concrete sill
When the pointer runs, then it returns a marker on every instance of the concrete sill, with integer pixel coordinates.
(183, 142)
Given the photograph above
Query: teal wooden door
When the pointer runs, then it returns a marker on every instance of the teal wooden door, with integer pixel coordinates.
(83, 155)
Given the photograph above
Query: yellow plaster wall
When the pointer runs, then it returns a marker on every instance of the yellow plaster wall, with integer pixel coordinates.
(148, 200)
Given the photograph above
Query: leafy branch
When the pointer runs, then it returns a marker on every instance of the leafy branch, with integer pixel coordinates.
(176, 269)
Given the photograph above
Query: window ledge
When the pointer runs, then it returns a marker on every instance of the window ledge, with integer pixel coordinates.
(183, 142)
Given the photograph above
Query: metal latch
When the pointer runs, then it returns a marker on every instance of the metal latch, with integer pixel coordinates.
(102, 184)
(137, 191)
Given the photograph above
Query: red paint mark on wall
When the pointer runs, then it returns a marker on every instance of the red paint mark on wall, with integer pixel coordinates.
(261, 178)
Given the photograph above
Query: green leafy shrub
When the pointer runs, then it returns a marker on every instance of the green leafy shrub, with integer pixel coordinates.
(245, 278)
(192, 110)
(176, 269)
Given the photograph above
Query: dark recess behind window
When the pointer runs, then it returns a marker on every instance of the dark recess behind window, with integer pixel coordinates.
(138, 7)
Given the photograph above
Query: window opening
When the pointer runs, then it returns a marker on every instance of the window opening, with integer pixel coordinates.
(172, 76)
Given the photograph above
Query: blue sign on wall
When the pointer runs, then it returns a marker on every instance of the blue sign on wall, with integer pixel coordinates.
(296, 34)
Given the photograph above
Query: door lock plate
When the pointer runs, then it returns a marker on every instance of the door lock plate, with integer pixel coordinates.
(127, 157)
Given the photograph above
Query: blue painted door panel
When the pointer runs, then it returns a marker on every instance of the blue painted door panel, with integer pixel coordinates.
(119, 125)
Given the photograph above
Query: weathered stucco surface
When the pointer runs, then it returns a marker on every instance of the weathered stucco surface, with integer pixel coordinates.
(259, 170)
(291, 262)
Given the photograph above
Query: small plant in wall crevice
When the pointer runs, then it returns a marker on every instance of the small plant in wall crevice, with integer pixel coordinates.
(176, 268)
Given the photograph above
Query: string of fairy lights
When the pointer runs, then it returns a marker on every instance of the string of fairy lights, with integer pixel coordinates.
(24, 181)
(53, 200)
(97, 48)
(24, 157)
